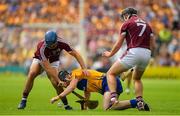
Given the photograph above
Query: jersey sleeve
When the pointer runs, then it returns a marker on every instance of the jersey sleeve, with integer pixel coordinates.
(66, 47)
(42, 53)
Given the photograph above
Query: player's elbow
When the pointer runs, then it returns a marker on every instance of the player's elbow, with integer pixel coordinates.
(73, 53)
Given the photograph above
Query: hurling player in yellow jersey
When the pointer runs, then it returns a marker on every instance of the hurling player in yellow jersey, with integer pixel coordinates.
(94, 82)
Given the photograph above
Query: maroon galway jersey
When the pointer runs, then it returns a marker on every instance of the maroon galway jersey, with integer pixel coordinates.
(43, 52)
(137, 32)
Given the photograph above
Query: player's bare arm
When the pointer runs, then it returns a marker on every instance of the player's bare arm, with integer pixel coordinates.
(87, 97)
(116, 47)
(152, 42)
(69, 89)
(80, 60)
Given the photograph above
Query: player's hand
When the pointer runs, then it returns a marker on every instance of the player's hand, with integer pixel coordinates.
(60, 83)
(106, 54)
(86, 72)
(54, 99)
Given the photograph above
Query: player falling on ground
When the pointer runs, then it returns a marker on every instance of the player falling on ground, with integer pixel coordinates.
(46, 58)
(95, 82)
(139, 39)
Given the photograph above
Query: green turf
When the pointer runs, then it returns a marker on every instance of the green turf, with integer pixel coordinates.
(162, 95)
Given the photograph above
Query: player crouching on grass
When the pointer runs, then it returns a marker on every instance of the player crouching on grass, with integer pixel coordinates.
(47, 58)
(94, 82)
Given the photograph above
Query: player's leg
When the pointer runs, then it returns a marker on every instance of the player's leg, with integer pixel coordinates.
(121, 105)
(141, 105)
(115, 69)
(128, 82)
(137, 74)
(125, 104)
(59, 89)
(35, 70)
(143, 60)
(127, 74)
(117, 106)
(106, 100)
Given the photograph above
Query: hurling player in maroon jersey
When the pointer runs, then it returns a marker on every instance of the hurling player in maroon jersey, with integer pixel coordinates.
(140, 40)
(46, 58)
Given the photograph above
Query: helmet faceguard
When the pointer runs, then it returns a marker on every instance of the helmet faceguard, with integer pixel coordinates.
(62, 75)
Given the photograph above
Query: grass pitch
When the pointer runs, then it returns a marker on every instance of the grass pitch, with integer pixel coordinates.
(163, 97)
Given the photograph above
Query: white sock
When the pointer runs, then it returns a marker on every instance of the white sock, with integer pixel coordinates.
(65, 105)
(24, 98)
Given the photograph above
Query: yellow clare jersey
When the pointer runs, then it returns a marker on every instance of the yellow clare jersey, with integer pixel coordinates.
(94, 80)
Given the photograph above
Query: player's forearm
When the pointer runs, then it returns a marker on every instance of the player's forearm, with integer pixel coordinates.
(117, 45)
(67, 91)
(152, 43)
(87, 95)
(153, 46)
(79, 59)
(115, 49)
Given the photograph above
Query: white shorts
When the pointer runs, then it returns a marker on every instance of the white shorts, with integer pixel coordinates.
(136, 57)
(53, 64)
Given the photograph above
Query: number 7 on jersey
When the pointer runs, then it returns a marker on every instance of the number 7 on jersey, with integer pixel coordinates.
(140, 22)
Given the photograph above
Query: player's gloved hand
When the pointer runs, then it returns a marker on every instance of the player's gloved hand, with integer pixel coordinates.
(107, 54)
(54, 99)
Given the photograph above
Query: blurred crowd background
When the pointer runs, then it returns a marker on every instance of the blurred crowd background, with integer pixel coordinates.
(19, 32)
